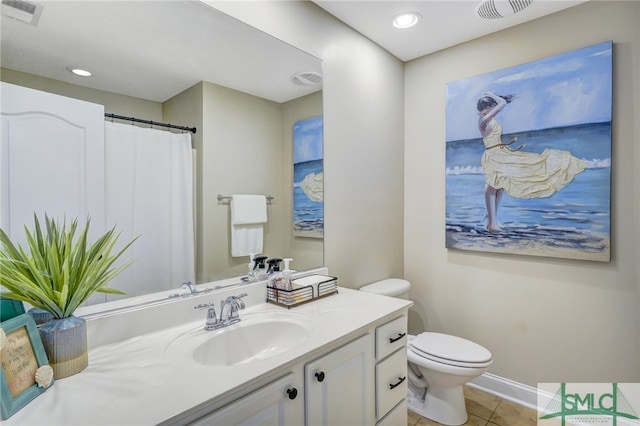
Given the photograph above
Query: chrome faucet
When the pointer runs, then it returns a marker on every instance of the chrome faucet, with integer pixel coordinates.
(189, 289)
(229, 308)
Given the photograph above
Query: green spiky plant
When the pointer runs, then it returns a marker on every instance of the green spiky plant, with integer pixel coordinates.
(59, 271)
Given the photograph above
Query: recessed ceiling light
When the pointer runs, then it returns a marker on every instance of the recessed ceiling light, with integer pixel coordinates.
(406, 20)
(82, 72)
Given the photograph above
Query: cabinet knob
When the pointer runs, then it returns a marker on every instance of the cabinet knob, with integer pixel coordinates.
(320, 376)
(293, 393)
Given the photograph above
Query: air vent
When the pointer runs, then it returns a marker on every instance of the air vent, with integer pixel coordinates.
(308, 78)
(496, 9)
(21, 10)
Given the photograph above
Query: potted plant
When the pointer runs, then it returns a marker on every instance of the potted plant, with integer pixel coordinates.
(57, 272)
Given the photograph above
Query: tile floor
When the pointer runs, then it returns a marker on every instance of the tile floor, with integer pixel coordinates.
(486, 410)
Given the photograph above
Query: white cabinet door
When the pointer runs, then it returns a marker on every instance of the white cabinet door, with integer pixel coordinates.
(339, 386)
(51, 159)
(279, 403)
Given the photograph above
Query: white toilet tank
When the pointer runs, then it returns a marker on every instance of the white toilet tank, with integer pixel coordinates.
(393, 287)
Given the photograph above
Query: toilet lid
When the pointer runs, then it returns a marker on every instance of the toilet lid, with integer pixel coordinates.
(450, 349)
(388, 287)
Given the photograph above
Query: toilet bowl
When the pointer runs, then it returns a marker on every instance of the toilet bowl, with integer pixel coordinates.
(438, 365)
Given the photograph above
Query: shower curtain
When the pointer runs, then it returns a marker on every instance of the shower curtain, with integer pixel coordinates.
(149, 195)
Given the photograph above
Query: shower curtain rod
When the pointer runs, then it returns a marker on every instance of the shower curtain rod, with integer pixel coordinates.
(152, 123)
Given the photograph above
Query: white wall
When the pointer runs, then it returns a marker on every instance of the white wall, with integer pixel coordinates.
(363, 136)
(544, 319)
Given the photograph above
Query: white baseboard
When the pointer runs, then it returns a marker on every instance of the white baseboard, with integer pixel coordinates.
(507, 389)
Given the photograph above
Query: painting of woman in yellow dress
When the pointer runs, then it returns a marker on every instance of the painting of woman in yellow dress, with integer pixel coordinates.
(530, 173)
(521, 174)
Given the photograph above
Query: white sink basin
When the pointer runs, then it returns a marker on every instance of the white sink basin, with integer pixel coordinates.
(258, 336)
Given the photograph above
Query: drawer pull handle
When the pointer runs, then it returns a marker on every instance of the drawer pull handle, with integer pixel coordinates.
(293, 393)
(320, 376)
(400, 380)
(400, 336)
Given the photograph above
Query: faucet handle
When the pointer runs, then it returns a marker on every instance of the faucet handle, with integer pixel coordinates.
(239, 300)
(212, 320)
(203, 305)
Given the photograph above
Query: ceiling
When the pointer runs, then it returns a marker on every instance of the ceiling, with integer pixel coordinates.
(156, 49)
(153, 49)
(444, 23)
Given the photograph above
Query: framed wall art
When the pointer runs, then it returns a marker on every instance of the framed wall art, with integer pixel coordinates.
(528, 158)
(308, 178)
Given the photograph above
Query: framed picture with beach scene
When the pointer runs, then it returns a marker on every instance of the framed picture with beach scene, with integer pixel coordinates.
(528, 158)
(308, 178)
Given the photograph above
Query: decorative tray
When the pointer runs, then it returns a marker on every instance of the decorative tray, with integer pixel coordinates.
(305, 289)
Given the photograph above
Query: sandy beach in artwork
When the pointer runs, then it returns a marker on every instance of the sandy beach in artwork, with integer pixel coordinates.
(532, 240)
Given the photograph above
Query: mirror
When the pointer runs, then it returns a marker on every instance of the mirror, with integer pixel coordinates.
(185, 63)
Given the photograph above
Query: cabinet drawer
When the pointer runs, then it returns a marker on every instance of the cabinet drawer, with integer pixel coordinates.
(390, 337)
(391, 382)
(398, 415)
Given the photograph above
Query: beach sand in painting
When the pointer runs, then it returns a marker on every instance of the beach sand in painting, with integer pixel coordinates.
(532, 240)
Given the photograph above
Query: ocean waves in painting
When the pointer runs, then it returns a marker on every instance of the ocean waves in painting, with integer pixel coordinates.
(573, 223)
(308, 213)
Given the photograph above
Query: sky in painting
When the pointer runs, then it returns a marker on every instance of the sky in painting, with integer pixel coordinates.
(307, 140)
(563, 90)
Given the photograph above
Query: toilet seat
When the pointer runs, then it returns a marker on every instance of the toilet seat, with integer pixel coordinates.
(450, 350)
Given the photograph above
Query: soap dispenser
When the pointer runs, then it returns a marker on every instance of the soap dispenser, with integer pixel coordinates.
(286, 275)
(260, 270)
(275, 277)
(251, 268)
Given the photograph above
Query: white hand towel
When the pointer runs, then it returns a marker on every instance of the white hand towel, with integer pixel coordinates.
(246, 239)
(248, 213)
(246, 209)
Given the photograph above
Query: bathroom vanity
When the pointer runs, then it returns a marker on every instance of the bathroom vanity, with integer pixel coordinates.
(337, 360)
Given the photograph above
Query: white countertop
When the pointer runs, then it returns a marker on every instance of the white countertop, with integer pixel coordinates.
(138, 382)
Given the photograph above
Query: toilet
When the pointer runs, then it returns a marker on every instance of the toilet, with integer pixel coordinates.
(438, 365)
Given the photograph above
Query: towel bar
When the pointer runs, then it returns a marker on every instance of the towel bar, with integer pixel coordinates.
(228, 197)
